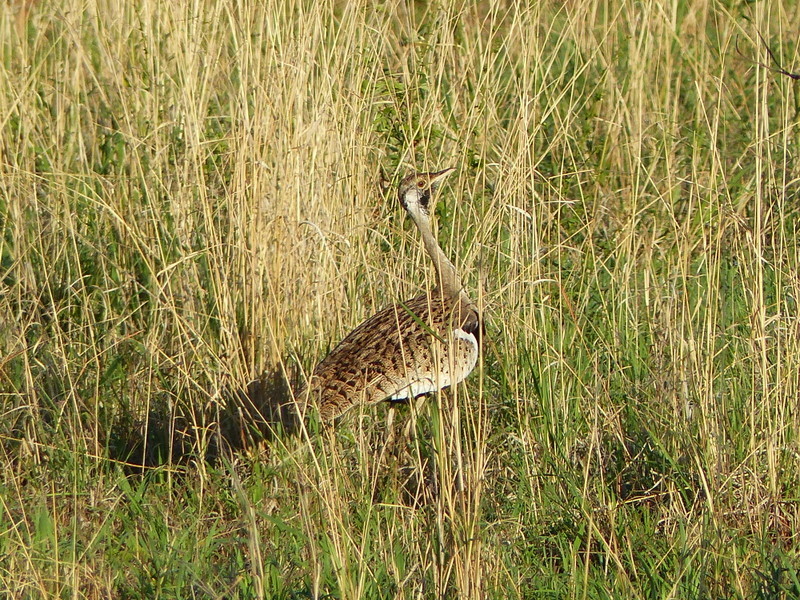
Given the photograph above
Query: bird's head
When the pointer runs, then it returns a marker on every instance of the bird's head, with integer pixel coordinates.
(416, 190)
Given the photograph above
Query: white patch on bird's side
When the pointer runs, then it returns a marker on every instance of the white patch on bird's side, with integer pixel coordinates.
(422, 384)
(470, 357)
(425, 382)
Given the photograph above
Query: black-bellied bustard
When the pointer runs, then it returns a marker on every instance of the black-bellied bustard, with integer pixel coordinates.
(408, 349)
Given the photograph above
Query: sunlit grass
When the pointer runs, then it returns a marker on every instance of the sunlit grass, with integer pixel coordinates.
(193, 194)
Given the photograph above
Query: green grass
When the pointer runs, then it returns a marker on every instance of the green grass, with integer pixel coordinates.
(191, 195)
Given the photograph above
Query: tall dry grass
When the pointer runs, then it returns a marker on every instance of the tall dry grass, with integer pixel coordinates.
(192, 193)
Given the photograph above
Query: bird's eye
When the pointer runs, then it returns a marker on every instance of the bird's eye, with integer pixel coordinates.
(420, 184)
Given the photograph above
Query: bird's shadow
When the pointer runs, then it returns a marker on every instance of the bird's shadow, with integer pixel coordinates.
(243, 419)
(239, 419)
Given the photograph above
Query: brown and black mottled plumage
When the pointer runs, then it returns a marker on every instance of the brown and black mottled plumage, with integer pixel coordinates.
(411, 348)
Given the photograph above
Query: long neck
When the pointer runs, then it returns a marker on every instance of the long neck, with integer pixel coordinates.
(449, 281)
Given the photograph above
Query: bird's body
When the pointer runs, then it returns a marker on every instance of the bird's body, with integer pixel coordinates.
(408, 349)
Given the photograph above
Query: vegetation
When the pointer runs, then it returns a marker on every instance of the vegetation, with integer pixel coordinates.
(191, 194)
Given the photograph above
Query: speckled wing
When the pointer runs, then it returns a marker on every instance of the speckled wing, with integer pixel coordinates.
(403, 351)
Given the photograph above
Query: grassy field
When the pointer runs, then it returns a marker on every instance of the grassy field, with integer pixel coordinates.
(196, 193)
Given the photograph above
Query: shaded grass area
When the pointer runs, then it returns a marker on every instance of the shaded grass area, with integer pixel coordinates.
(193, 196)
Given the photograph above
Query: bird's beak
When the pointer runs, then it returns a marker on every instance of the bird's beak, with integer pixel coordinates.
(436, 178)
